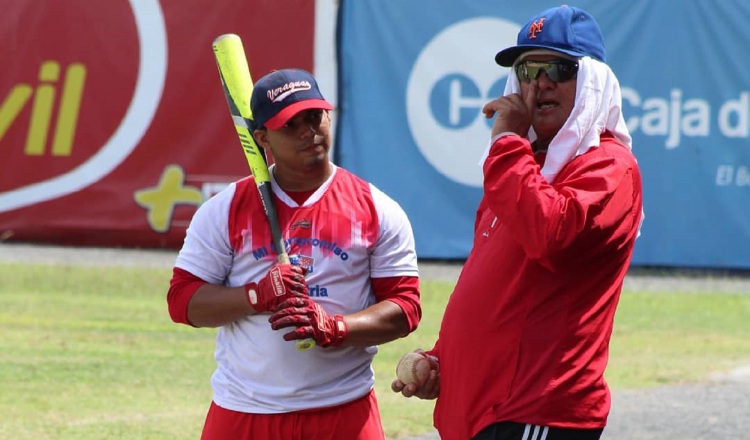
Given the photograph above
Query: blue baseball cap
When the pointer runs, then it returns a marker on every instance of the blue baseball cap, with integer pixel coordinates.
(564, 29)
(281, 94)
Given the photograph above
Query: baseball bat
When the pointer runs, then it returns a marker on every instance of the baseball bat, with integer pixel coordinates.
(238, 87)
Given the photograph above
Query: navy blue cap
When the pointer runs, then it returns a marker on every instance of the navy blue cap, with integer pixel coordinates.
(565, 29)
(281, 94)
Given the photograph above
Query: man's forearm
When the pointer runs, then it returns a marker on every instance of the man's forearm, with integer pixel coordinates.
(380, 323)
(214, 306)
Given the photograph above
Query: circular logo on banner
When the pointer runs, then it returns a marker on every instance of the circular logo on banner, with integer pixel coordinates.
(452, 79)
(149, 84)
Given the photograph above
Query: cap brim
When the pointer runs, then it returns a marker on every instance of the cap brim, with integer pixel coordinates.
(282, 117)
(507, 57)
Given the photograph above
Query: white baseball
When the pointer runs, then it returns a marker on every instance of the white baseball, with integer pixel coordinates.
(413, 368)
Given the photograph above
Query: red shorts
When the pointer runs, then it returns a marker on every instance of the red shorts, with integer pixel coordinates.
(357, 420)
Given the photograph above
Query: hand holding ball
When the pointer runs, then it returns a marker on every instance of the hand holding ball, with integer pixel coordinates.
(413, 368)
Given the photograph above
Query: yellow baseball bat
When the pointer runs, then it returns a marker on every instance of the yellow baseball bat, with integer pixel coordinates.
(238, 87)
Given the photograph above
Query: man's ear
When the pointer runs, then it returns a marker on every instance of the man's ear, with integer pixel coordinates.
(261, 138)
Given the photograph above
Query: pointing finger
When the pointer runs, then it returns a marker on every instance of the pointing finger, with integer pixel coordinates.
(530, 99)
(488, 110)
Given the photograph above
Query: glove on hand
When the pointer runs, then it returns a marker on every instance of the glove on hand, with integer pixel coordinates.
(311, 322)
(283, 281)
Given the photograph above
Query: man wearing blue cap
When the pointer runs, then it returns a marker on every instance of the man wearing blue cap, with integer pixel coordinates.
(356, 286)
(524, 340)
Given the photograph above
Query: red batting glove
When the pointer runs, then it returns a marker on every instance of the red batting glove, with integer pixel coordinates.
(283, 281)
(311, 321)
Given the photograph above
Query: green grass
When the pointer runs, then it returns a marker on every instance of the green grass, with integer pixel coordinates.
(90, 353)
(668, 338)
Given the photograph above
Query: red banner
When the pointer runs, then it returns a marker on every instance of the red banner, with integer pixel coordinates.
(113, 122)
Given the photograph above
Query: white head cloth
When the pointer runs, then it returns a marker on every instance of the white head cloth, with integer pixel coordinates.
(597, 108)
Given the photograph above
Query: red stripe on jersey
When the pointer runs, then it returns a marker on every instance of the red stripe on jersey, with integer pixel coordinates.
(343, 217)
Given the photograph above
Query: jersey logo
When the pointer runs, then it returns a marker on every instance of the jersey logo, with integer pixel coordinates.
(304, 224)
(303, 261)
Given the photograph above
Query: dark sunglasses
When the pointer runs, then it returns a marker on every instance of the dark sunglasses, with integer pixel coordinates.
(556, 70)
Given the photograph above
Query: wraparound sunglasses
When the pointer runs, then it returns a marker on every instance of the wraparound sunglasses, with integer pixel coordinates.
(556, 70)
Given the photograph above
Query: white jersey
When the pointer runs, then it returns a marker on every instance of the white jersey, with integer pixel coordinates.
(347, 232)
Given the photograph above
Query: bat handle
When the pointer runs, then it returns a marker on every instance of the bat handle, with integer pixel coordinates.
(305, 344)
(302, 344)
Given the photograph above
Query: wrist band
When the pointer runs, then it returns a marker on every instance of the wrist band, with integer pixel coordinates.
(251, 294)
(342, 331)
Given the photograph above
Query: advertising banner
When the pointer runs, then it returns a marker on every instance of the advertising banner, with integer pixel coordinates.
(412, 85)
(113, 122)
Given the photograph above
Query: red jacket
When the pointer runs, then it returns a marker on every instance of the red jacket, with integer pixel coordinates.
(525, 335)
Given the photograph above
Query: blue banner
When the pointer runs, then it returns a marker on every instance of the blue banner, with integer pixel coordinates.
(412, 84)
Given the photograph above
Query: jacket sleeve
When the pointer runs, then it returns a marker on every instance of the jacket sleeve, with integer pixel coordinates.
(592, 193)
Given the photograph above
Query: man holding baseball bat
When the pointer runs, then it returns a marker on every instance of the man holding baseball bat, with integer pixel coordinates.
(524, 340)
(354, 283)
